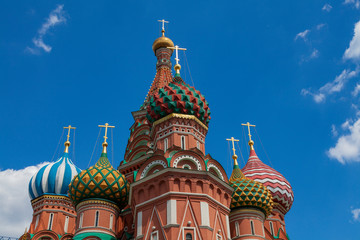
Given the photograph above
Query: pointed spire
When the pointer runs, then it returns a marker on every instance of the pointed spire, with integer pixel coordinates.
(236, 173)
(105, 144)
(251, 142)
(67, 143)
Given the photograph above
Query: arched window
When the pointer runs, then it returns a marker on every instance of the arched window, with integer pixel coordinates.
(271, 228)
(97, 218)
(189, 236)
(66, 225)
(51, 218)
(166, 144)
(183, 142)
(111, 221)
(237, 229)
(81, 220)
(252, 227)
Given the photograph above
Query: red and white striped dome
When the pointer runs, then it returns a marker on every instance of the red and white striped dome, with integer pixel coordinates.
(279, 187)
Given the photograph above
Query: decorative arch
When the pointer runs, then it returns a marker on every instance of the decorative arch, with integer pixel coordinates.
(152, 165)
(191, 158)
(214, 169)
(45, 234)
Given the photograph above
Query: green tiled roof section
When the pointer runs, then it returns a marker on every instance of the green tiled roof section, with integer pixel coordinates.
(102, 236)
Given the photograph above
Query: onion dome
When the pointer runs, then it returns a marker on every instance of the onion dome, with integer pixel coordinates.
(279, 187)
(178, 97)
(248, 193)
(100, 181)
(162, 42)
(54, 178)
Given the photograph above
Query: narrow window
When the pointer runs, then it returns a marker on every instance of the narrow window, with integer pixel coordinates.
(111, 221)
(271, 229)
(81, 220)
(166, 144)
(237, 229)
(198, 145)
(50, 221)
(252, 228)
(183, 142)
(37, 221)
(189, 236)
(139, 224)
(66, 225)
(154, 236)
(97, 218)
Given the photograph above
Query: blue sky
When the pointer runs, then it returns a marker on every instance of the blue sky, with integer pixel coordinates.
(290, 67)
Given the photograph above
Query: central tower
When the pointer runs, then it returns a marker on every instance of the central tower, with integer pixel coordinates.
(176, 189)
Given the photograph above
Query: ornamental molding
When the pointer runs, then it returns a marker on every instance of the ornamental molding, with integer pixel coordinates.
(151, 165)
(96, 201)
(211, 165)
(179, 115)
(187, 157)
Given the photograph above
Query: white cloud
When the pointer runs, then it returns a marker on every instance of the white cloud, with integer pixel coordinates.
(331, 87)
(56, 17)
(355, 3)
(320, 26)
(356, 214)
(347, 148)
(302, 35)
(314, 54)
(15, 207)
(334, 131)
(353, 51)
(356, 90)
(327, 7)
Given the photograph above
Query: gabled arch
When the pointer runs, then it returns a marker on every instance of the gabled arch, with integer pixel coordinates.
(151, 165)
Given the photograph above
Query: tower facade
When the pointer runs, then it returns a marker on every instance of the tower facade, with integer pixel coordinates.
(167, 186)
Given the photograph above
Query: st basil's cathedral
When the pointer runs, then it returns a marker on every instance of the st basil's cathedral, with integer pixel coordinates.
(166, 187)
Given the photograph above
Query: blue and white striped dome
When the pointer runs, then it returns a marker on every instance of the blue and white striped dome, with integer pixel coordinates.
(53, 178)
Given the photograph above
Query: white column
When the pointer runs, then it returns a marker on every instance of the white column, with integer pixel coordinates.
(139, 224)
(205, 217)
(66, 225)
(228, 227)
(171, 211)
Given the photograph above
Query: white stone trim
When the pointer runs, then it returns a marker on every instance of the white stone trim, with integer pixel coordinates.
(211, 165)
(151, 165)
(187, 157)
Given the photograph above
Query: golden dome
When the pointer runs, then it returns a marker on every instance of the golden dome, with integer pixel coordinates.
(162, 42)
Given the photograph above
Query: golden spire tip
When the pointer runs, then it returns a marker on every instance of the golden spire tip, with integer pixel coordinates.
(105, 144)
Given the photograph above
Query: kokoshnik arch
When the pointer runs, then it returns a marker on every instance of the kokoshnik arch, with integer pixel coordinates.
(166, 187)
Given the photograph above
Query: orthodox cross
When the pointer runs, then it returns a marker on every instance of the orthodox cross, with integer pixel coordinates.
(232, 139)
(67, 143)
(106, 126)
(69, 128)
(163, 25)
(177, 48)
(248, 125)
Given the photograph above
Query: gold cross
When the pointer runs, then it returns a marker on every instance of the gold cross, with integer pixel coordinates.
(177, 48)
(67, 143)
(106, 126)
(248, 125)
(69, 128)
(163, 25)
(232, 139)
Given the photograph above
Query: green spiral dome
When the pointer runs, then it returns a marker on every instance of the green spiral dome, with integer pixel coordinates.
(100, 181)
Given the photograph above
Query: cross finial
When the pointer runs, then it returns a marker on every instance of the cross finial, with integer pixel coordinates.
(233, 140)
(105, 144)
(177, 66)
(67, 143)
(163, 26)
(251, 142)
